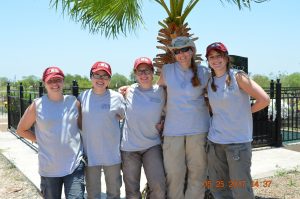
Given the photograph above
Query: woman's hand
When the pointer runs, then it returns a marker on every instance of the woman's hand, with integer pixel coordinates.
(160, 126)
(123, 90)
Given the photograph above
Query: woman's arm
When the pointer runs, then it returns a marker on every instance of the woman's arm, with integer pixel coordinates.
(26, 122)
(79, 120)
(161, 80)
(254, 90)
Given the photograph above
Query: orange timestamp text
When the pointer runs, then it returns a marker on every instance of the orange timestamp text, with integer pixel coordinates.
(234, 184)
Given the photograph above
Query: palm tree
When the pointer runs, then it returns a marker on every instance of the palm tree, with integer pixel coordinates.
(114, 17)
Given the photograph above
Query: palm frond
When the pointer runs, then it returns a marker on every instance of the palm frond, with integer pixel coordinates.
(179, 7)
(188, 9)
(244, 3)
(109, 18)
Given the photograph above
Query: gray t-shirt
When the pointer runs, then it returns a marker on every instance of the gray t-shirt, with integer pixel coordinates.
(143, 112)
(232, 117)
(186, 110)
(100, 126)
(58, 136)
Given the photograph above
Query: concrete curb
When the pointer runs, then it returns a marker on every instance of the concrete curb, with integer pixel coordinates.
(265, 161)
(26, 160)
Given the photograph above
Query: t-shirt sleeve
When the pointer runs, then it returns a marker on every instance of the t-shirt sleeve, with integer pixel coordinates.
(122, 105)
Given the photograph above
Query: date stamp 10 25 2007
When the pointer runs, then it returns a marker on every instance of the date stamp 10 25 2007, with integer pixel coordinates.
(234, 184)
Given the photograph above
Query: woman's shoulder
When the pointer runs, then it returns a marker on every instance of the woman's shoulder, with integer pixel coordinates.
(203, 68)
(157, 88)
(70, 98)
(38, 100)
(84, 94)
(169, 66)
(115, 93)
(204, 72)
(238, 73)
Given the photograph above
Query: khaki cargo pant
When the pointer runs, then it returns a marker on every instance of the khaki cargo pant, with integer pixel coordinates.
(185, 154)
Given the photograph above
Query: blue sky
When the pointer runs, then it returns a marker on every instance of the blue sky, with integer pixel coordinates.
(35, 36)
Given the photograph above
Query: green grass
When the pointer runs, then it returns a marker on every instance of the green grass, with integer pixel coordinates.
(283, 172)
(291, 183)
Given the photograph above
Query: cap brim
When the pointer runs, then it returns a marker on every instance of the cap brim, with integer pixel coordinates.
(150, 65)
(179, 47)
(215, 49)
(52, 76)
(104, 69)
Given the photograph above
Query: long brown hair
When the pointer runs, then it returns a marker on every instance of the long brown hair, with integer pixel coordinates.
(195, 79)
(213, 74)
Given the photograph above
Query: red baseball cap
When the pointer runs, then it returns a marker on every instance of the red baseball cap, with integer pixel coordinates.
(101, 66)
(218, 46)
(142, 60)
(52, 71)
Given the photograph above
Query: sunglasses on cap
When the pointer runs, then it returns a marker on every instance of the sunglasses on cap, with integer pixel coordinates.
(216, 44)
(183, 50)
(97, 76)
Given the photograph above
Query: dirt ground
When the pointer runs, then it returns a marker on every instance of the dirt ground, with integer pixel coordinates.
(14, 184)
(284, 185)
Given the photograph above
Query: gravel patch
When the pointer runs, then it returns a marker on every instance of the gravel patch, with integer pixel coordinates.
(14, 184)
(284, 185)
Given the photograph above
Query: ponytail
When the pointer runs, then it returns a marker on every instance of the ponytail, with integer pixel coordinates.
(228, 66)
(195, 79)
(213, 74)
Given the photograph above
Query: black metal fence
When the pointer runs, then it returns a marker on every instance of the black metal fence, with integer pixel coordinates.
(271, 126)
(280, 121)
(290, 114)
(19, 99)
(266, 124)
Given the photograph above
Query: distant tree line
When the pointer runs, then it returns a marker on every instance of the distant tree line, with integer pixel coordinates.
(31, 83)
(287, 80)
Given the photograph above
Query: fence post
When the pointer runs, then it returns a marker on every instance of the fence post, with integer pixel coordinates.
(272, 89)
(8, 105)
(21, 96)
(30, 99)
(75, 88)
(41, 89)
(278, 114)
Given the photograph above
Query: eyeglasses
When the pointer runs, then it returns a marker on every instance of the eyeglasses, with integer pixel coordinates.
(183, 50)
(145, 71)
(54, 81)
(97, 76)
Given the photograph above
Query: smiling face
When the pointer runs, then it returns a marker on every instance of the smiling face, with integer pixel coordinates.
(184, 56)
(218, 61)
(100, 81)
(144, 75)
(54, 85)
